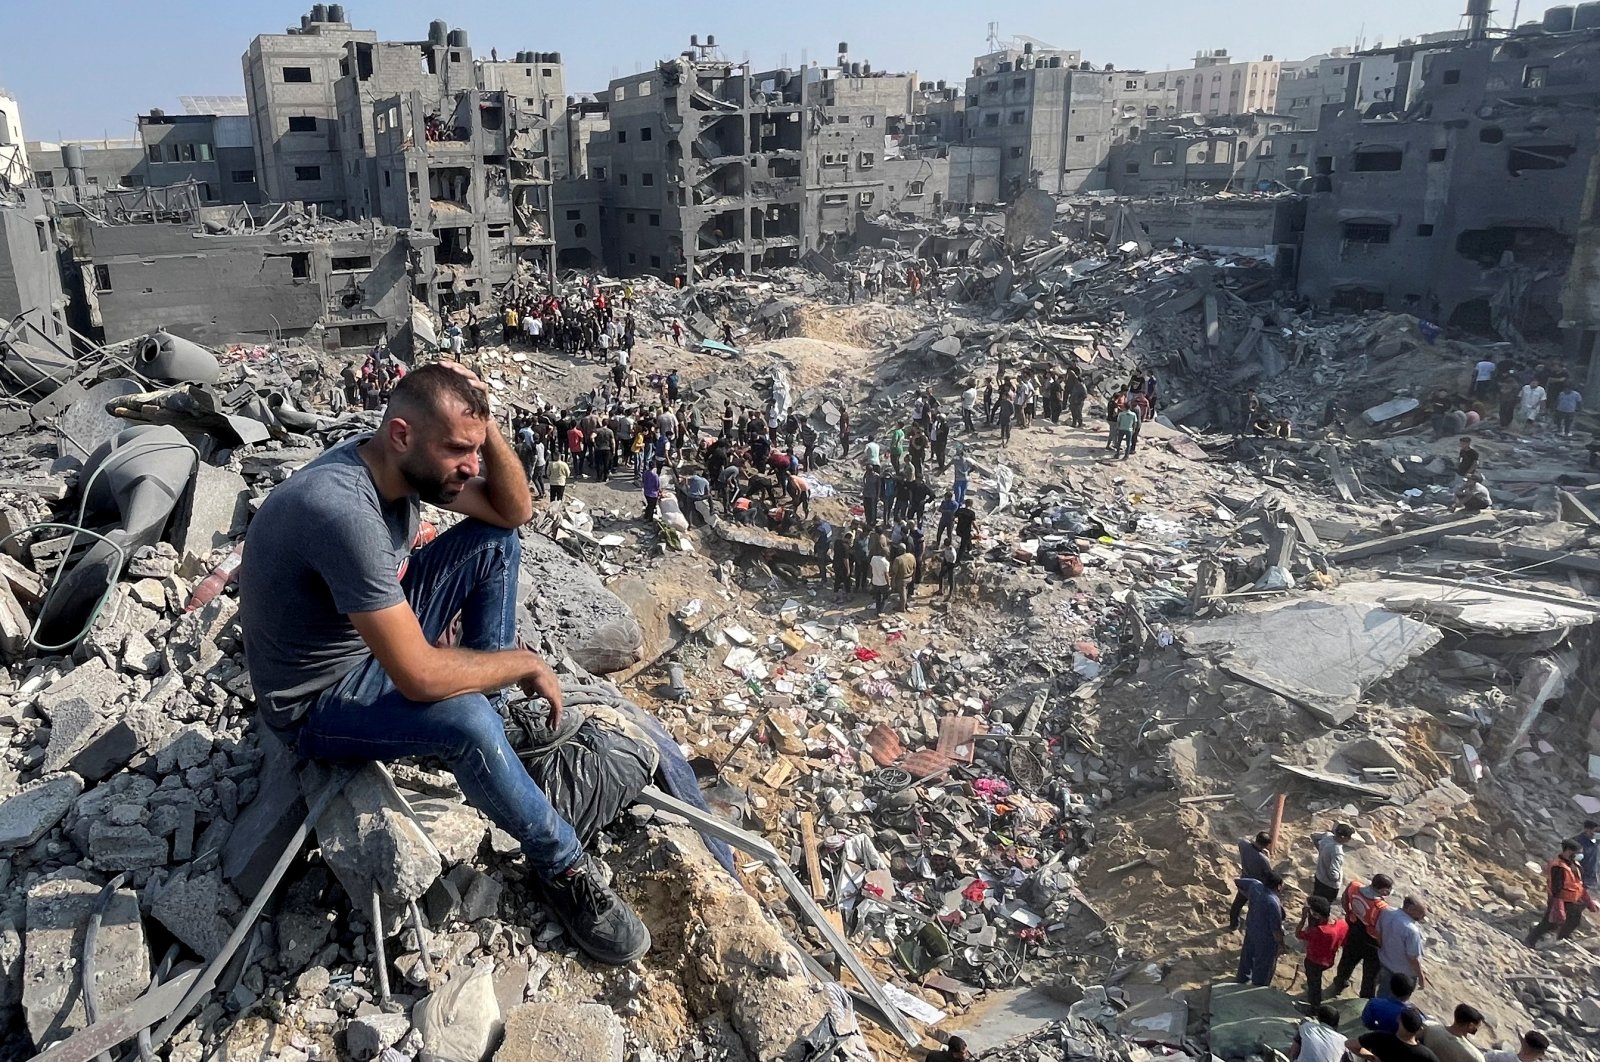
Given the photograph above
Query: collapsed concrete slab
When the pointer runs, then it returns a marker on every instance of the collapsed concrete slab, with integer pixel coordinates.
(575, 611)
(589, 1031)
(198, 910)
(29, 814)
(52, 990)
(1312, 653)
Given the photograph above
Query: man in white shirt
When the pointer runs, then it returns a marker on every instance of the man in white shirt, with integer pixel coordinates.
(1319, 1040)
(1483, 377)
(1532, 1049)
(880, 582)
(1530, 403)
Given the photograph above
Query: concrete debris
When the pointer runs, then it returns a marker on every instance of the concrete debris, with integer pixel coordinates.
(32, 811)
(58, 913)
(555, 1030)
(371, 842)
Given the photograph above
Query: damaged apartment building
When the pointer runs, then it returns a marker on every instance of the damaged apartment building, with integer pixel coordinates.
(1461, 202)
(702, 167)
(420, 134)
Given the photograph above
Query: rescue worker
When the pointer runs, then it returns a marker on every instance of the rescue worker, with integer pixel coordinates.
(1565, 896)
(1363, 906)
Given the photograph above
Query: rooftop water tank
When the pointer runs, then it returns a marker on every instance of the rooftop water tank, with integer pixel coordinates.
(438, 30)
(457, 38)
(1587, 17)
(1558, 19)
(335, 12)
(319, 12)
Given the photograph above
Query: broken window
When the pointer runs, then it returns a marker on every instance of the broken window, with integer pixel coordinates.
(580, 230)
(632, 218)
(915, 188)
(574, 215)
(599, 173)
(1264, 149)
(102, 278)
(835, 199)
(1366, 232)
(186, 152)
(1451, 77)
(499, 232)
(1491, 134)
(1424, 230)
(302, 123)
(991, 118)
(647, 179)
(308, 173)
(1538, 157)
(655, 261)
(1016, 152)
(1079, 139)
(655, 220)
(622, 178)
(1131, 166)
(991, 86)
(1018, 117)
(1130, 84)
(1018, 84)
(1377, 160)
(645, 134)
(1533, 77)
(1163, 156)
(203, 152)
(866, 161)
(297, 75)
(352, 262)
(1437, 154)
(300, 265)
(869, 120)
(622, 136)
(866, 198)
(155, 152)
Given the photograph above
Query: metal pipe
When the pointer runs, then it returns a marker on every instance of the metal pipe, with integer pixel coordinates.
(382, 962)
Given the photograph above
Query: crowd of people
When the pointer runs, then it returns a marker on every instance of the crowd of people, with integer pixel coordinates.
(1383, 939)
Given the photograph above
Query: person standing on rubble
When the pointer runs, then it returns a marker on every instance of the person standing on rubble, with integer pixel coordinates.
(1323, 936)
(1566, 898)
(1327, 880)
(1363, 907)
(844, 431)
(1006, 409)
(988, 402)
(1530, 404)
(1253, 863)
(341, 626)
(1125, 435)
(969, 405)
(842, 546)
(902, 568)
(1569, 400)
(652, 490)
(1400, 942)
(880, 582)
(939, 439)
(1483, 377)
(1263, 930)
(1077, 395)
(966, 527)
(1588, 843)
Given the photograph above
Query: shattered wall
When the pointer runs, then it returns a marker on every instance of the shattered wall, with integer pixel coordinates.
(1257, 225)
(220, 289)
(1466, 209)
(30, 276)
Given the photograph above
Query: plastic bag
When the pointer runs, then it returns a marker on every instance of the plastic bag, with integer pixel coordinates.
(459, 1022)
(591, 768)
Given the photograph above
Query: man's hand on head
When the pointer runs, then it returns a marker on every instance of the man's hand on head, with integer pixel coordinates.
(472, 377)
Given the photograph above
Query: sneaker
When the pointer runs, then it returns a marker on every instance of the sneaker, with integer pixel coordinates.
(594, 916)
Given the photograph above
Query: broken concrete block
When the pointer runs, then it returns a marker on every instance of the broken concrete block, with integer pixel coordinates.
(189, 747)
(52, 994)
(140, 656)
(455, 827)
(14, 624)
(199, 910)
(29, 814)
(267, 822)
(10, 964)
(366, 1037)
(369, 841)
(578, 613)
(134, 847)
(480, 894)
(214, 509)
(150, 593)
(92, 681)
(589, 1031)
(91, 740)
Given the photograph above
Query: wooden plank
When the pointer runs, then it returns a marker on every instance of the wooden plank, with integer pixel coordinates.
(25, 584)
(813, 850)
(1342, 481)
(1421, 536)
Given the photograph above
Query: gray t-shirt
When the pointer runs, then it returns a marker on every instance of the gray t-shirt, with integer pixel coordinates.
(1330, 860)
(325, 544)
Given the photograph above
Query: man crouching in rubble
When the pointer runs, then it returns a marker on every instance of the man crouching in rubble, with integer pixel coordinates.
(342, 625)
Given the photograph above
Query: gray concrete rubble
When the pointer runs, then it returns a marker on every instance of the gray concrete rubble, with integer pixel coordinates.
(554, 1030)
(58, 913)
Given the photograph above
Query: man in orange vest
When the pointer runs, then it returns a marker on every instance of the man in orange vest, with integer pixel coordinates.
(1566, 899)
(1363, 905)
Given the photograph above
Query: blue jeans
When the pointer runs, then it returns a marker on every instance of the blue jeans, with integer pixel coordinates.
(469, 570)
(961, 491)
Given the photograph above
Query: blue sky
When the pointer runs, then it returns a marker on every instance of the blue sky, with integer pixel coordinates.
(85, 69)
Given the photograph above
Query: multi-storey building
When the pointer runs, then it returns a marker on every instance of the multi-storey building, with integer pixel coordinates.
(1218, 85)
(1194, 155)
(212, 150)
(290, 81)
(1054, 118)
(1463, 202)
(702, 166)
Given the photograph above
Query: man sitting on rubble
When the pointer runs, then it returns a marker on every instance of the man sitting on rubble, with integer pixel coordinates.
(1473, 495)
(343, 626)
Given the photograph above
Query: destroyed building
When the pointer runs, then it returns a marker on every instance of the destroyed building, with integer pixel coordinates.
(157, 258)
(1053, 117)
(30, 274)
(420, 134)
(1217, 84)
(15, 169)
(1460, 202)
(703, 165)
(1194, 155)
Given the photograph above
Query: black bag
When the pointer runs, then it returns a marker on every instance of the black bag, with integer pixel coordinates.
(590, 769)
